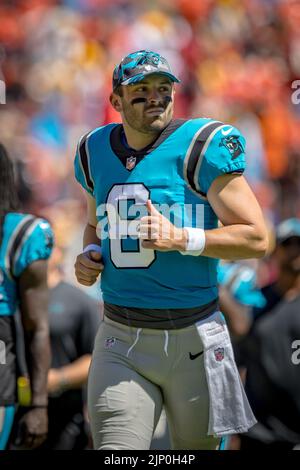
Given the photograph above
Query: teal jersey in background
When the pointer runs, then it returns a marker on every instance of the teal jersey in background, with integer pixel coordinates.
(176, 171)
(25, 239)
(241, 281)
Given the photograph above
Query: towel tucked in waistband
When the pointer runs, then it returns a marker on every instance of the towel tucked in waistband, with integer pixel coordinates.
(229, 412)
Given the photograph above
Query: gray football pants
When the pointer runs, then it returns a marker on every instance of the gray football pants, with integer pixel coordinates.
(134, 371)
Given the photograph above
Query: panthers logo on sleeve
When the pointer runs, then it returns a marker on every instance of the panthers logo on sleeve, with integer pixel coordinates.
(49, 241)
(233, 145)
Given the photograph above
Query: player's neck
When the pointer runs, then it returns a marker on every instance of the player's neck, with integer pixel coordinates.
(138, 140)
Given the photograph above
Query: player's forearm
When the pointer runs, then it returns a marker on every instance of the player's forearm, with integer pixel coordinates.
(37, 347)
(38, 360)
(90, 236)
(75, 375)
(34, 297)
(235, 242)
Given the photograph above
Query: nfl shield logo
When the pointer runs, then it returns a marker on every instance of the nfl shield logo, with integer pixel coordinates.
(219, 354)
(109, 342)
(130, 163)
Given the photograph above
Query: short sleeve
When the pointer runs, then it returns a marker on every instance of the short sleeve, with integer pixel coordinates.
(225, 153)
(82, 165)
(37, 243)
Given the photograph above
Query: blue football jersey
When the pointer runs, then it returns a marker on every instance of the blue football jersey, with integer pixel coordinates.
(175, 172)
(25, 239)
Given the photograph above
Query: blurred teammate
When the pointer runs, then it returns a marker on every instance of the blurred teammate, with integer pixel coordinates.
(25, 244)
(239, 294)
(73, 322)
(163, 339)
(272, 378)
(287, 250)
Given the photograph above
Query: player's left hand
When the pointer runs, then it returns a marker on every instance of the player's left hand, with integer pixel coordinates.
(158, 233)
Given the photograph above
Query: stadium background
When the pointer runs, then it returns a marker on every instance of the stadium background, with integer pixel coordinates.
(237, 59)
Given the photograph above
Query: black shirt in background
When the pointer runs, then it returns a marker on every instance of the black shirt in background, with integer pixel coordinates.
(272, 297)
(241, 346)
(74, 319)
(273, 379)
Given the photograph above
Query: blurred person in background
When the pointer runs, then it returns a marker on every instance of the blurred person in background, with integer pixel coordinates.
(25, 246)
(239, 294)
(286, 250)
(272, 378)
(162, 320)
(74, 319)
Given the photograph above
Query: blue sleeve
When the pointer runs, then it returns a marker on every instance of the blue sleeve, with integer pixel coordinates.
(241, 282)
(37, 244)
(225, 154)
(78, 167)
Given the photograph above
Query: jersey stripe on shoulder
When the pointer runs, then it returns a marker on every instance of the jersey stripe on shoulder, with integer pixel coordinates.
(84, 160)
(14, 242)
(194, 155)
(21, 239)
(209, 138)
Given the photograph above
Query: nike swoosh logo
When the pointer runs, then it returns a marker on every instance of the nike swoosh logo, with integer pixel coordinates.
(226, 132)
(194, 356)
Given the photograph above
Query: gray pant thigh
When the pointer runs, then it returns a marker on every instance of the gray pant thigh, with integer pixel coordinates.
(123, 406)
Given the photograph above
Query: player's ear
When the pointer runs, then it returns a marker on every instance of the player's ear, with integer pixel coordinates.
(115, 101)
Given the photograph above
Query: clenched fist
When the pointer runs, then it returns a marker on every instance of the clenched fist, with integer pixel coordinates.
(32, 428)
(88, 266)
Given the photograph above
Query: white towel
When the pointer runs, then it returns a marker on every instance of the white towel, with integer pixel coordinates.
(229, 412)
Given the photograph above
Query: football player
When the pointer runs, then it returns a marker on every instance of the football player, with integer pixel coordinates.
(156, 187)
(25, 245)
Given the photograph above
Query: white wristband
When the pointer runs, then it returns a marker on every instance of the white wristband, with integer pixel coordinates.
(196, 241)
(92, 247)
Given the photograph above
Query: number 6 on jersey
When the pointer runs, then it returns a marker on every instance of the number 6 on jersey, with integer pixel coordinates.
(126, 204)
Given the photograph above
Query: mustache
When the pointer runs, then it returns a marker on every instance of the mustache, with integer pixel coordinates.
(163, 104)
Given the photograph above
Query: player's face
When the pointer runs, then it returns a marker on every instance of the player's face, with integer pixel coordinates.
(147, 106)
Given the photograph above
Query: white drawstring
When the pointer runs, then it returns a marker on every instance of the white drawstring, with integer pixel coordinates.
(166, 342)
(138, 337)
(136, 340)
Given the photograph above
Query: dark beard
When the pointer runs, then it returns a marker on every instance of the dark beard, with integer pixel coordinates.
(148, 125)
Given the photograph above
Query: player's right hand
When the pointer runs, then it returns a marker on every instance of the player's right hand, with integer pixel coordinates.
(88, 266)
(32, 429)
